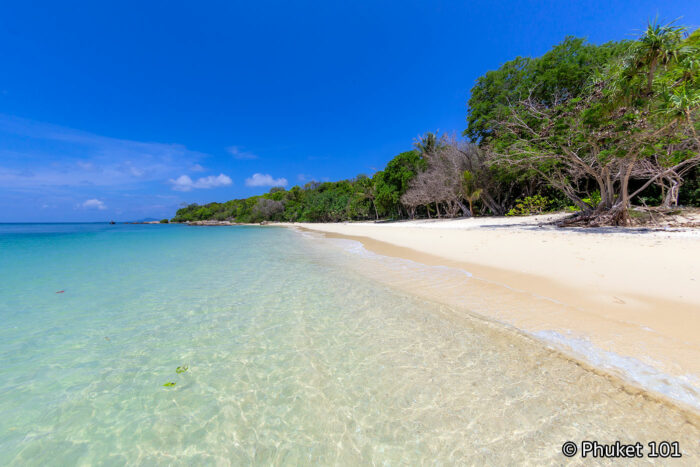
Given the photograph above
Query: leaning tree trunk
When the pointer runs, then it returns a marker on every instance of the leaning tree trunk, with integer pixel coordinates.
(491, 203)
(671, 197)
(457, 206)
(466, 212)
(411, 211)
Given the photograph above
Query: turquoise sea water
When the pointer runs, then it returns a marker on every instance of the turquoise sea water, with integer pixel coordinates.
(293, 356)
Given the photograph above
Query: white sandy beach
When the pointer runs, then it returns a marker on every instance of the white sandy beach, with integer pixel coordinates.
(633, 296)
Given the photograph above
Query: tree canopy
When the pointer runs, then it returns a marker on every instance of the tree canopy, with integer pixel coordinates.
(559, 74)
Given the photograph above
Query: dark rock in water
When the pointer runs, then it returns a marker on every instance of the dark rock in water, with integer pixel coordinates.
(112, 222)
(209, 223)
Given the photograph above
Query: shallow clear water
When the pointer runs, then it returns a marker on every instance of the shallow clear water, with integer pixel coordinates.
(293, 358)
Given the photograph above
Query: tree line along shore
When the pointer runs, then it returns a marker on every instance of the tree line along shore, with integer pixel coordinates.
(610, 133)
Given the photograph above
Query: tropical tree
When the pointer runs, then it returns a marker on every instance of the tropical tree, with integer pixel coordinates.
(429, 143)
(392, 182)
(440, 184)
(364, 191)
(560, 74)
(469, 190)
(658, 45)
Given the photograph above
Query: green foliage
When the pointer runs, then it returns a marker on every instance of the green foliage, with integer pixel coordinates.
(169, 384)
(560, 74)
(392, 182)
(529, 206)
(164, 221)
(492, 93)
(429, 143)
(593, 200)
(470, 191)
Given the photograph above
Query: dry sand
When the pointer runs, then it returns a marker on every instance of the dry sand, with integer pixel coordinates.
(623, 299)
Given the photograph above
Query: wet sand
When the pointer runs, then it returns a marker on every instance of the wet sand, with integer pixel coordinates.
(624, 301)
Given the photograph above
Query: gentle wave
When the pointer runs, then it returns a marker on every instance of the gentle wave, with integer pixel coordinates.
(683, 389)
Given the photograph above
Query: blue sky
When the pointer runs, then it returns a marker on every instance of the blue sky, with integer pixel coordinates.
(125, 110)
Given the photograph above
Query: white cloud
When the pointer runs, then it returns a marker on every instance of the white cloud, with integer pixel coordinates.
(237, 153)
(265, 180)
(182, 183)
(213, 182)
(197, 168)
(94, 204)
(185, 183)
(136, 172)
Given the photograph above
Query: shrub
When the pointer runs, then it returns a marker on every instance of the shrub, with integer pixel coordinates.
(528, 206)
(593, 200)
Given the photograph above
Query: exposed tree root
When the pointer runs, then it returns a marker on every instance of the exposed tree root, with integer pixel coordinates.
(613, 217)
(633, 217)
